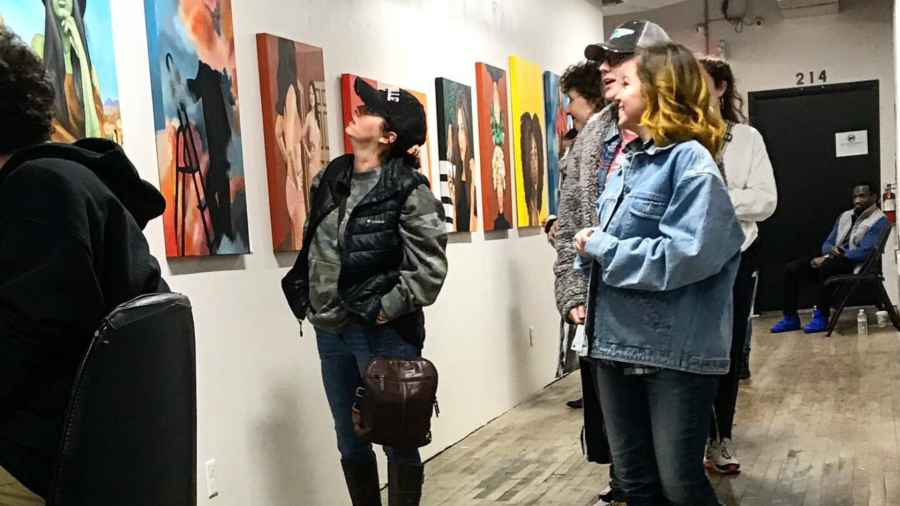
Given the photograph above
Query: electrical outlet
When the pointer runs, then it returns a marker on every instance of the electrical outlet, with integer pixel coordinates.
(531, 336)
(212, 481)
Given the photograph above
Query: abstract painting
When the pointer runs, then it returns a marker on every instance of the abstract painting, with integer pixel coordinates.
(527, 89)
(558, 124)
(292, 78)
(197, 120)
(494, 139)
(351, 101)
(456, 152)
(75, 40)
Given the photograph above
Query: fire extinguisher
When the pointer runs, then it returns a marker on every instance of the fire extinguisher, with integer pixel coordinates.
(889, 203)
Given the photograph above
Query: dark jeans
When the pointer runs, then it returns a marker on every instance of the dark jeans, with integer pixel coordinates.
(344, 359)
(801, 270)
(729, 384)
(657, 426)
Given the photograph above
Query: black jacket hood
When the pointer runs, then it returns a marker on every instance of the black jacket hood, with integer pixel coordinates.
(107, 160)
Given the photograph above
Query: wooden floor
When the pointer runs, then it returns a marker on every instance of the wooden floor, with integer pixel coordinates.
(818, 425)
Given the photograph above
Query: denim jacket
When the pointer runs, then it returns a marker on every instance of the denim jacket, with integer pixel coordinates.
(664, 258)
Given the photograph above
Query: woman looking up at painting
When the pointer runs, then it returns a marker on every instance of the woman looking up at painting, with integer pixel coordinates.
(64, 48)
(374, 255)
(663, 258)
(288, 133)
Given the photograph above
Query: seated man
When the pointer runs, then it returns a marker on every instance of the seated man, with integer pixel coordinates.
(854, 236)
(72, 250)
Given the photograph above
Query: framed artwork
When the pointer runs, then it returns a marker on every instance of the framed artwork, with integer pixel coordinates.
(456, 152)
(527, 89)
(74, 38)
(295, 119)
(196, 109)
(558, 124)
(494, 138)
(351, 101)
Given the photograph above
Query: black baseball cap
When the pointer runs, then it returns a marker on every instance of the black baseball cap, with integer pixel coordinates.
(627, 38)
(403, 112)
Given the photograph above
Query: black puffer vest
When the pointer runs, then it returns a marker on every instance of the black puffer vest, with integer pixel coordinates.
(373, 249)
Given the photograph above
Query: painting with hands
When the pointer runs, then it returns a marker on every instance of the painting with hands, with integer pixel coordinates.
(456, 150)
(295, 119)
(74, 38)
(494, 140)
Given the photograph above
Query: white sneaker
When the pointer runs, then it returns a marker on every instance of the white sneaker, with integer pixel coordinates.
(720, 459)
(602, 499)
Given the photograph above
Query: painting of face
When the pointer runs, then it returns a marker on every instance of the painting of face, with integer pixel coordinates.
(457, 156)
(494, 141)
(558, 123)
(527, 89)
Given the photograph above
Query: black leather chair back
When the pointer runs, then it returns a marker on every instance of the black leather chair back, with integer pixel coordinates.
(130, 436)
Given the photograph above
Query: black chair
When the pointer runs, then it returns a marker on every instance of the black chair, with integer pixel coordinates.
(869, 274)
(130, 434)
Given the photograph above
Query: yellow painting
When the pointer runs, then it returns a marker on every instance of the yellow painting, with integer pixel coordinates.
(527, 89)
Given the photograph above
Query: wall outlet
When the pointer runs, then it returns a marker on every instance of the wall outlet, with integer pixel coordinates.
(531, 336)
(212, 481)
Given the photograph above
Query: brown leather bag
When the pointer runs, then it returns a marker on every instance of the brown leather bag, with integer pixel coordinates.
(395, 403)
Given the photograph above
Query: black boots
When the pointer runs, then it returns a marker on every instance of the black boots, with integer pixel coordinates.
(405, 484)
(362, 482)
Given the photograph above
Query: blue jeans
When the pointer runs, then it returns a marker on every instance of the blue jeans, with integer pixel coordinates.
(657, 425)
(344, 359)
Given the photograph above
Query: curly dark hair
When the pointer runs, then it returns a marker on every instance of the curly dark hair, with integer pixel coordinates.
(585, 79)
(26, 97)
(731, 103)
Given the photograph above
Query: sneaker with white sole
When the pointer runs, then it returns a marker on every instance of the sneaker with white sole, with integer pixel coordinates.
(720, 459)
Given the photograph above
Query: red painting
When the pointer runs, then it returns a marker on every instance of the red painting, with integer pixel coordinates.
(494, 138)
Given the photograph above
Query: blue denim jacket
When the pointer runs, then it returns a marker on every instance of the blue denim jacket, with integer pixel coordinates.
(664, 261)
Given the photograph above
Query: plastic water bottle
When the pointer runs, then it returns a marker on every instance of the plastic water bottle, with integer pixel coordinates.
(862, 323)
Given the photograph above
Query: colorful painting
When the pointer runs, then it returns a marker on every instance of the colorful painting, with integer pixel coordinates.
(198, 136)
(558, 124)
(456, 150)
(292, 78)
(494, 139)
(75, 40)
(527, 89)
(351, 101)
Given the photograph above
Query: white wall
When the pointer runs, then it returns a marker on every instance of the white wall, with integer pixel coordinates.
(261, 407)
(855, 45)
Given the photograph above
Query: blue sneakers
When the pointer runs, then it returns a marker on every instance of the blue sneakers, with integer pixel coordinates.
(787, 324)
(818, 324)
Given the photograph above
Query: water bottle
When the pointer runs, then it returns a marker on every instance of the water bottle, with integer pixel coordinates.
(862, 323)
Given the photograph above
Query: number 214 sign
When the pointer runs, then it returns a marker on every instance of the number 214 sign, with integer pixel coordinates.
(802, 78)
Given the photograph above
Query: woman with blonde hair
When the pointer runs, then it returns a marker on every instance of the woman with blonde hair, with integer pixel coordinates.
(663, 259)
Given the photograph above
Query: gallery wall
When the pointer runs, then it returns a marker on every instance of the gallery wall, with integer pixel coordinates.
(493, 333)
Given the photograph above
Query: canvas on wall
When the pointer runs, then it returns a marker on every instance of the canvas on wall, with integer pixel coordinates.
(198, 137)
(558, 124)
(351, 101)
(292, 81)
(456, 150)
(74, 39)
(494, 140)
(527, 90)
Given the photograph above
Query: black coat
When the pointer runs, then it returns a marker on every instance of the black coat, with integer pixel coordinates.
(71, 250)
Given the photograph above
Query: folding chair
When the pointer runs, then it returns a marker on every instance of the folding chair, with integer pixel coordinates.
(869, 273)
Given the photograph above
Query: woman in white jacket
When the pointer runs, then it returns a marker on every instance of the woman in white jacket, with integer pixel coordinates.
(751, 185)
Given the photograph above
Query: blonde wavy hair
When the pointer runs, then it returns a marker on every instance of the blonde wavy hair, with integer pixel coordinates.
(673, 85)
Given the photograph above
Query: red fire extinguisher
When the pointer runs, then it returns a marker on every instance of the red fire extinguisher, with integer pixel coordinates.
(889, 203)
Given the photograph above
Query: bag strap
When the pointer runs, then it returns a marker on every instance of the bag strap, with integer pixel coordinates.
(726, 140)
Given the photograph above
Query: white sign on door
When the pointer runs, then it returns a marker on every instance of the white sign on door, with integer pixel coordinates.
(852, 143)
